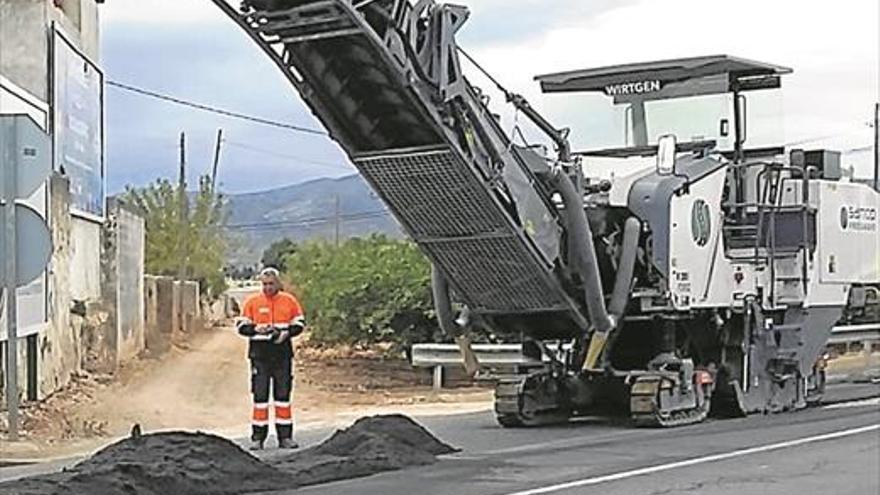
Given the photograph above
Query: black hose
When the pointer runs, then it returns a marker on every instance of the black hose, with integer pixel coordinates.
(625, 268)
(442, 303)
(585, 252)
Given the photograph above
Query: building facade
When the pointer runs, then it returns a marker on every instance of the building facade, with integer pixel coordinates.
(50, 70)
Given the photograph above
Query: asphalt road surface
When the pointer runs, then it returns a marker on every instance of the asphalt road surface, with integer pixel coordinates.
(832, 449)
(829, 449)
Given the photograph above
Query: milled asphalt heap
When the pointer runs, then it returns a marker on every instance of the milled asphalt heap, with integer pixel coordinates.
(371, 445)
(198, 463)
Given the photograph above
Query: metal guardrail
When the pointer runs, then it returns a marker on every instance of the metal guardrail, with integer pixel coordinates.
(427, 355)
(438, 356)
(855, 333)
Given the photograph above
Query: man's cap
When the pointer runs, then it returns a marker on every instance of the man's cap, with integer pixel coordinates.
(270, 272)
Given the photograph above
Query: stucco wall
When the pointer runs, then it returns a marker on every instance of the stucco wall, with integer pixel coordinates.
(24, 47)
(85, 264)
(130, 282)
(59, 343)
(24, 40)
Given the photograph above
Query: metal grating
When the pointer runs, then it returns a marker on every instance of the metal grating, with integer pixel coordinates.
(496, 273)
(434, 194)
(447, 209)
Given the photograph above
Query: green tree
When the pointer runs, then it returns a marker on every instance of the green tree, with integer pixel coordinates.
(184, 232)
(365, 291)
(277, 252)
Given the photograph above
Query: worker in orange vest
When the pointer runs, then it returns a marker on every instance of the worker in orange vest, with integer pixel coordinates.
(270, 319)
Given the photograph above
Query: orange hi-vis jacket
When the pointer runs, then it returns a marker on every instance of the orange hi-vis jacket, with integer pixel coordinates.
(281, 311)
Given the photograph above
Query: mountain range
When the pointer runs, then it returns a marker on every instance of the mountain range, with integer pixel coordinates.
(304, 211)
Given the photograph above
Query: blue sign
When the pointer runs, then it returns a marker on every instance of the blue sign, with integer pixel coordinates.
(78, 110)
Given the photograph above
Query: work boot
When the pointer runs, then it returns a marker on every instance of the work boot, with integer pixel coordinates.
(287, 443)
(255, 445)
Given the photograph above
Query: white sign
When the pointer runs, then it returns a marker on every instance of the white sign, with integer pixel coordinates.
(33, 245)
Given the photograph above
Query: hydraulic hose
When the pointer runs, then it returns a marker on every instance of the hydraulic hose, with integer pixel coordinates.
(446, 319)
(442, 303)
(585, 253)
(625, 268)
(623, 280)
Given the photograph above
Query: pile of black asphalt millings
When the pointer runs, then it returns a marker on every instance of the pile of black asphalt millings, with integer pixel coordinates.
(198, 463)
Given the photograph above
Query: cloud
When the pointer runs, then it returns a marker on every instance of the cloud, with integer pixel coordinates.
(215, 65)
(834, 51)
(187, 48)
(165, 12)
(495, 22)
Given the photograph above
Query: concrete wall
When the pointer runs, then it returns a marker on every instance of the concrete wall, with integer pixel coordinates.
(154, 341)
(85, 265)
(130, 297)
(24, 40)
(24, 48)
(172, 312)
(189, 314)
(60, 342)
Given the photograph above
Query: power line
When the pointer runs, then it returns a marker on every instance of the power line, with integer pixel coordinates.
(258, 226)
(310, 223)
(281, 155)
(212, 109)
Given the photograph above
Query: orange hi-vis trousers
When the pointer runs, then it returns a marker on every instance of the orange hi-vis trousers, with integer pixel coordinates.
(275, 373)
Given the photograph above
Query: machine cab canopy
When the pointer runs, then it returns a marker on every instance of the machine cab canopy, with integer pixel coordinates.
(717, 81)
(668, 78)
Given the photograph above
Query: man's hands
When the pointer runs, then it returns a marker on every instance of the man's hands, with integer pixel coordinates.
(282, 336)
(278, 336)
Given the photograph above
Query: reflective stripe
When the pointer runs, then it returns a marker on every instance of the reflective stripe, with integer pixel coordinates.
(260, 423)
(261, 413)
(261, 337)
(283, 422)
(299, 320)
(282, 404)
(283, 413)
(243, 321)
(261, 405)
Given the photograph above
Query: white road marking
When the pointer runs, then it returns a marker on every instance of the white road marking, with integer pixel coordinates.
(859, 403)
(698, 460)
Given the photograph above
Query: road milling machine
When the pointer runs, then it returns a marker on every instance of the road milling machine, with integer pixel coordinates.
(681, 273)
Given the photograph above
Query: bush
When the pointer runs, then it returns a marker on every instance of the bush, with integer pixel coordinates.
(185, 234)
(365, 291)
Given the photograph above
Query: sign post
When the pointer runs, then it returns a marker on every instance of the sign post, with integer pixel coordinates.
(7, 151)
(25, 162)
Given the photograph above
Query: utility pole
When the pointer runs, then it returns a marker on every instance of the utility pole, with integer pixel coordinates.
(8, 169)
(337, 217)
(25, 241)
(877, 146)
(216, 160)
(183, 216)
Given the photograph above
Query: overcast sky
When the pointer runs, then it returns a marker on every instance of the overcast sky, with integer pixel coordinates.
(186, 48)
